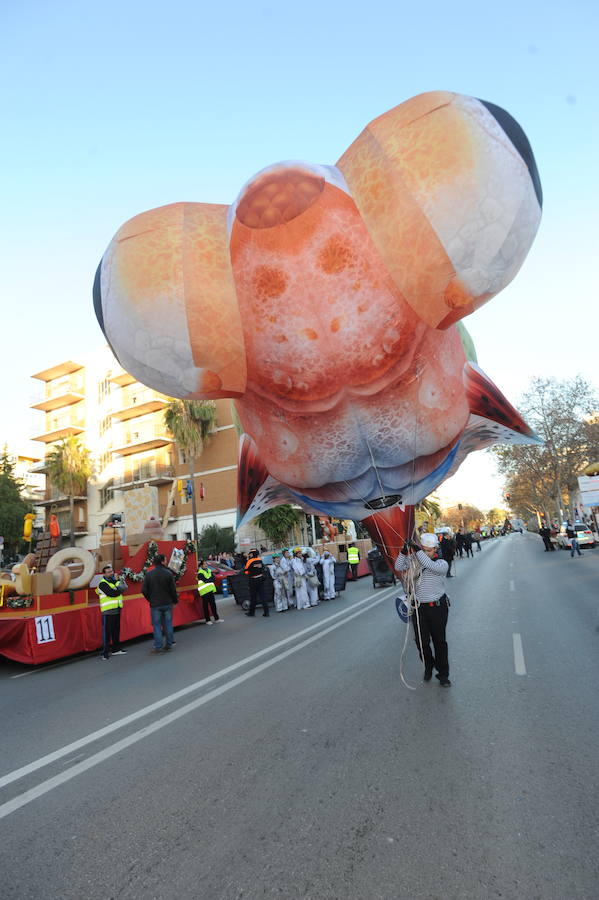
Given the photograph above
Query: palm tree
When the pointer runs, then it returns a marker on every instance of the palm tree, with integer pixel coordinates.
(190, 422)
(69, 468)
(277, 522)
(430, 508)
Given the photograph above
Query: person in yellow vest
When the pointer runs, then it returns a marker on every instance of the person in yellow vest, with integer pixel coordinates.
(207, 591)
(110, 594)
(353, 558)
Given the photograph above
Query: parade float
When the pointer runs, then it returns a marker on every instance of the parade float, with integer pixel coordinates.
(49, 608)
(341, 289)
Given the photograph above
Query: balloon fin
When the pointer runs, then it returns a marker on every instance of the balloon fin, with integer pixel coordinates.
(389, 528)
(487, 402)
(251, 475)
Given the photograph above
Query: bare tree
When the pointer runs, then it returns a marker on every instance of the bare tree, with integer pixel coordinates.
(560, 413)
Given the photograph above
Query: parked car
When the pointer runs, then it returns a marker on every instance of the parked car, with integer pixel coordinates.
(584, 535)
(221, 571)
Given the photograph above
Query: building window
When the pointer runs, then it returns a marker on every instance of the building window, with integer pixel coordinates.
(106, 493)
(172, 537)
(188, 535)
(104, 425)
(104, 388)
(104, 461)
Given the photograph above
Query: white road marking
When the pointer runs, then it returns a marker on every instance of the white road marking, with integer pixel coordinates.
(512, 586)
(146, 710)
(519, 665)
(28, 796)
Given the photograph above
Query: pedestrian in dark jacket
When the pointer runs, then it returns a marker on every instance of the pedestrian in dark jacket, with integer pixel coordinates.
(159, 589)
(447, 548)
(468, 544)
(459, 543)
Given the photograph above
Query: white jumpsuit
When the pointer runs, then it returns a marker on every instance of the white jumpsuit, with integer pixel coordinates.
(287, 570)
(312, 590)
(279, 580)
(301, 592)
(328, 576)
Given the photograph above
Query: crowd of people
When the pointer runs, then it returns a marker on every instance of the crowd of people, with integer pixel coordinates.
(301, 580)
(295, 579)
(460, 544)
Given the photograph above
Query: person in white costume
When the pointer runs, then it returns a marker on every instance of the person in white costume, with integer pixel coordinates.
(279, 580)
(285, 564)
(299, 580)
(311, 578)
(327, 562)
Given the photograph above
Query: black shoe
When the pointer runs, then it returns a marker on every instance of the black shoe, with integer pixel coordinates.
(444, 681)
(449, 576)
(428, 674)
(250, 615)
(266, 615)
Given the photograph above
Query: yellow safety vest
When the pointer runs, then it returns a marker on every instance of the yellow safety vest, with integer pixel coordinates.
(205, 587)
(106, 602)
(353, 555)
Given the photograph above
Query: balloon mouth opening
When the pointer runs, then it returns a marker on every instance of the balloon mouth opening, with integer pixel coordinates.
(383, 502)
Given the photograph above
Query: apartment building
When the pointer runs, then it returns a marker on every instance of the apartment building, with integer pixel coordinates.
(121, 422)
(33, 484)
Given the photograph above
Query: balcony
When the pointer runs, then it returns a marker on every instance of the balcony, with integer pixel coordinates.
(144, 439)
(59, 394)
(52, 497)
(135, 403)
(151, 473)
(39, 468)
(64, 368)
(121, 377)
(59, 428)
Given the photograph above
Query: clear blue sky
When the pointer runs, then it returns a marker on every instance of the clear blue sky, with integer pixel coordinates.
(113, 108)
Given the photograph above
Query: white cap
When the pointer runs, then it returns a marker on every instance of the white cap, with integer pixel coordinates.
(429, 540)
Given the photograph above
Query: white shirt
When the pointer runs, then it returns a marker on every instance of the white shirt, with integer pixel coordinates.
(431, 584)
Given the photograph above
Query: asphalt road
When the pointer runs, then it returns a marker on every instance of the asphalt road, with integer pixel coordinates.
(285, 759)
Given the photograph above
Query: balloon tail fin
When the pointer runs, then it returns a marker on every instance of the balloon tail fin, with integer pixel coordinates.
(389, 528)
(251, 475)
(486, 400)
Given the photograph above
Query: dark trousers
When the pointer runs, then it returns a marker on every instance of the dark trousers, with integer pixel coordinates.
(548, 544)
(258, 595)
(449, 562)
(210, 606)
(111, 631)
(354, 571)
(433, 620)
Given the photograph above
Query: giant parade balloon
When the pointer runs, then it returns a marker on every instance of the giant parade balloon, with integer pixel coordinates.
(327, 302)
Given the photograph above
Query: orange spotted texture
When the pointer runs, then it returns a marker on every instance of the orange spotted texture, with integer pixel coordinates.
(313, 290)
(415, 416)
(393, 168)
(273, 201)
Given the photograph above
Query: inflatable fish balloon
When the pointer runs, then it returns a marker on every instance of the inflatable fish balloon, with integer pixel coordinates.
(326, 301)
